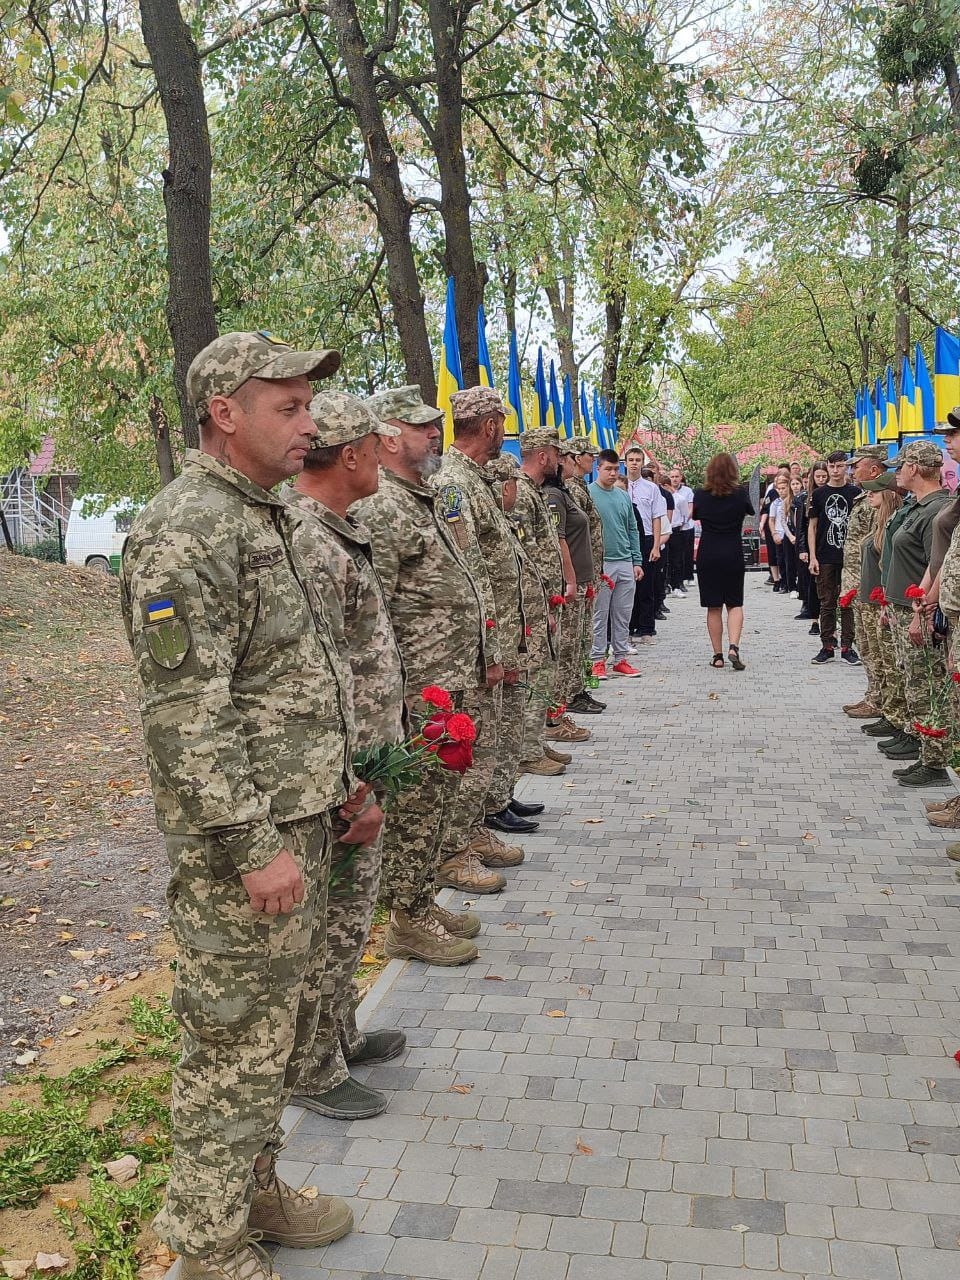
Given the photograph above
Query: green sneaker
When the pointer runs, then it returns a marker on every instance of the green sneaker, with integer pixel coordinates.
(349, 1100)
(925, 776)
(379, 1046)
(881, 728)
(907, 770)
(906, 749)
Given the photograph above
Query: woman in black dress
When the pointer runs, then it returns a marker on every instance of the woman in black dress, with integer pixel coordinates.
(720, 506)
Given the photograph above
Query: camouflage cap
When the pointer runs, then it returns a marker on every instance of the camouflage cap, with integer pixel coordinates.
(225, 364)
(875, 453)
(568, 448)
(502, 468)
(340, 418)
(953, 420)
(476, 402)
(539, 438)
(585, 445)
(886, 481)
(922, 453)
(403, 404)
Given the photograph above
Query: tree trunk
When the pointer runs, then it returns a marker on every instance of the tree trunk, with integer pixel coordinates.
(392, 208)
(459, 257)
(161, 440)
(186, 192)
(900, 258)
(952, 79)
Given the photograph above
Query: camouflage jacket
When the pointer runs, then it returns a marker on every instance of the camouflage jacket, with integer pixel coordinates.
(950, 579)
(539, 534)
(484, 537)
(337, 554)
(244, 716)
(862, 522)
(578, 490)
(435, 606)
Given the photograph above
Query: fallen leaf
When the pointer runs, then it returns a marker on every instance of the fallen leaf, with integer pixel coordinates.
(713, 697)
(583, 991)
(16, 1268)
(80, 954)
(493, 977)
(460, 1088)
(583, 1149)
(65, 1202)
(74, 1031)
(366, 958)
(139, 937)
(578, 884)
(648, 815)
(888, 892)
(50, 1262)
(589, 938)
(808, 835)
(592, 822)
(556, 1013)
(122, 1170)
(66, 1002)
(25, 1059)
(309, 1193)
(740, 1226)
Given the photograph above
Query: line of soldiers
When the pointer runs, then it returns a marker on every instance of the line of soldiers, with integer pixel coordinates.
(276, 636)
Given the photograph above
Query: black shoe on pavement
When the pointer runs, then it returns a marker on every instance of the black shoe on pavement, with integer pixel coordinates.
(908, 769)
(584, 705)
(595, 702)
(523, 810)
(660, 616)
(925, 776)
(903, 748)
(506, 820)
(379, 1046)
(882, 728)
(823, 655)
(814, 629)
(350, 1100)
(850, 655)
(801, 615)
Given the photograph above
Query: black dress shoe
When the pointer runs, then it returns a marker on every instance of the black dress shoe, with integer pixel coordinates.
(506, 820)
(661, 616)
(524, 810)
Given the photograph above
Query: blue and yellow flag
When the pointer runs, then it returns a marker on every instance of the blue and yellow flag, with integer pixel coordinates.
(614, 429)
(483, 351)
(891, 429)
(586, 428)
(925, 420)
(857, 420)
(599, 420)
(450, 377)
(946, 373)
(540, 394)
(908, 401)
(555, 411)
(880, 403)
(515, 418)
(567, 407)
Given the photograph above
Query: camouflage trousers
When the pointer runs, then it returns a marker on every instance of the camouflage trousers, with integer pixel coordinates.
(465, 811)
(586, 639)
(412, 836)
(540, 696)
(570, 662)
(351, 898)
(247, 997)
(510, 740)
(920, 667)
(867, 649)
(892, 701)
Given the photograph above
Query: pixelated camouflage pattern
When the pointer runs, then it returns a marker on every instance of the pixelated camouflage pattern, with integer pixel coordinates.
(916, 668)
(337, 554)
(509, 742)
(489, 554)
(539, 438)
(412, 836)
(225, 364)
(340, 418)
(892, 696)
(569, 680)
(866, 646)
(501, 468)
(435, 606)
(539, 533)
(465, 812)
(875, 452)
(861, 525)
(541, 694)
(584, 444)
(247, 997)
(250, 728)
(403, 404)
(950, 576)
(476, 402)
(923, 453)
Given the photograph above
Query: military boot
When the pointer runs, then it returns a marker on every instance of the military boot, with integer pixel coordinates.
(881, 728)
(289, 1218)
(932, 806)
(244, 1259)
(465, 871)
(862, 710)
(566, 730)
(464, 925)
(494, 852)
(423, 937)
(558, 757)
(948, 817)
(542, 768)
(926, 776)
(953, 851)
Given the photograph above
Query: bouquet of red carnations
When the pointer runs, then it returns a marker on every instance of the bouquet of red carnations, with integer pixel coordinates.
(443, 740)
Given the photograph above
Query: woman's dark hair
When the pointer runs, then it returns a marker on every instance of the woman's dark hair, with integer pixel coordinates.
(723, 475)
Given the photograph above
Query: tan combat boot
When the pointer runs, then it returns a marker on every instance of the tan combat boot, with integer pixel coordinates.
(465, 871)
(558, 757)
(244, 1259)
(565, 730)
(424, 938)
(948, 816)
(464, 925)
(289, 1218)
(580, 733)
(862, 710)
(542, 768)
(947, 803)
(494, 852)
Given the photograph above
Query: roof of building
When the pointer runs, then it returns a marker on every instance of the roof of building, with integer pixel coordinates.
(776, 444)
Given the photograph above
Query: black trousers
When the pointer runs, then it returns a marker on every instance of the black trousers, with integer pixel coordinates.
(677, 567)
(787, 560)
(688, 538)
(642, 621)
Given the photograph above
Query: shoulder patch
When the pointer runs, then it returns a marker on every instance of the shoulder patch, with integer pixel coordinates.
(264, 559)
(166, 630)
(450, 501)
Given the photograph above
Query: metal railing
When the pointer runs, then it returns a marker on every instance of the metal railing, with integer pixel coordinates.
(31, 515)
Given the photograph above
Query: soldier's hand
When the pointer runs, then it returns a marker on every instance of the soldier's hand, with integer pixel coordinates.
(276, 888)
(352, 806)
(494, 675)
(365, 828)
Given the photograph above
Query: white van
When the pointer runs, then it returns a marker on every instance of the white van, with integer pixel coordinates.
(96, 541)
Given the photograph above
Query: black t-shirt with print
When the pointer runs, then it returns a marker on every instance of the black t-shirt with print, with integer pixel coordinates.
(832, 509)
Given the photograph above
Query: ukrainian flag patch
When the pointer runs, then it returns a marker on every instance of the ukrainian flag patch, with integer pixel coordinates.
(160, 610)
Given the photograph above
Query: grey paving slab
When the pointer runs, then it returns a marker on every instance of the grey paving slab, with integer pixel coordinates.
(727, 1054)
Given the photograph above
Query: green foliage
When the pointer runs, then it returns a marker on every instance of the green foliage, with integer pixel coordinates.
(48, 549)
(912, 44)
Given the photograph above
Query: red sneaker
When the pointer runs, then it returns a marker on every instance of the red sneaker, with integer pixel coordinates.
(623, 668)
(600, 670)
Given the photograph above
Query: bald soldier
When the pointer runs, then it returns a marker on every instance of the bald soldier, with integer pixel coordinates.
(340, 469)
(249, 743)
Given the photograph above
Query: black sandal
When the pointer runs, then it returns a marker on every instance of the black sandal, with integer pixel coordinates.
(717, 660)
(734, 656)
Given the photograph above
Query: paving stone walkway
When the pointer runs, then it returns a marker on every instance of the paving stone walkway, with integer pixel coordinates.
(711, 1032)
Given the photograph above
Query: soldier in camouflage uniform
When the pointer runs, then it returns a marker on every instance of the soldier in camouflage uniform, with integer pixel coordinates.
(892, 702)
(586, 454)
(540, 454)
(439, 616)
(869, 462)
(484, 538)
(534, 648)
(341, 468)
(249, 745)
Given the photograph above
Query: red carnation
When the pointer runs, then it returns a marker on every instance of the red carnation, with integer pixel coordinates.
(914, 592)
(929, 730)
(590, 593)
(556, 602)
(435, 729)
(434, 696)
(490, 624)
(455, 756)
(848, 597)
(956, 1057)
(528, 631)
(956, 677)
(461, 728)
(607, 580)
(878, 596)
